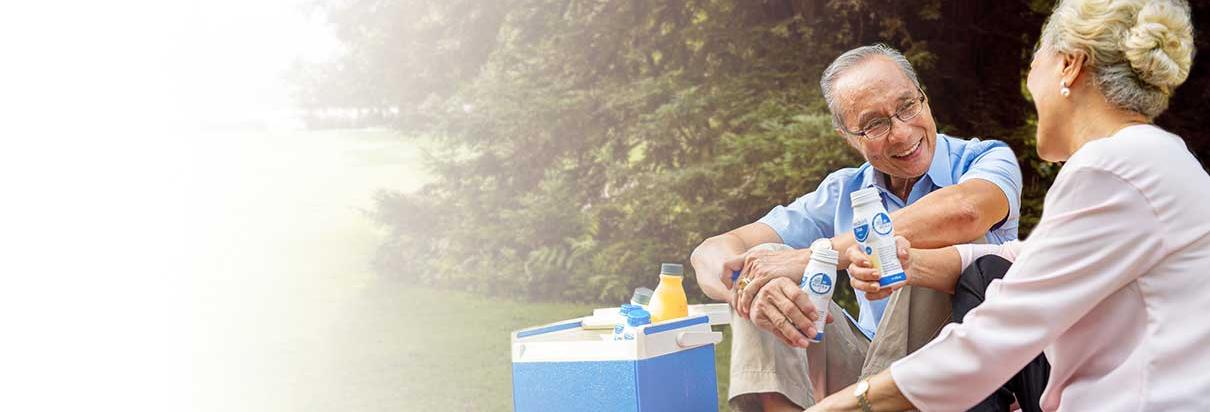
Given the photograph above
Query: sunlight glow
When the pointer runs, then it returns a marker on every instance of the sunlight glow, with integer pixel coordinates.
(105, 298)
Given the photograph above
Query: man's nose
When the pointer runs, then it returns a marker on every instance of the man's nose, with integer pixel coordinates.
(900, 132)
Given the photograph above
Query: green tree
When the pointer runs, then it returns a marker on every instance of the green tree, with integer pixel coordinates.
(581, 143)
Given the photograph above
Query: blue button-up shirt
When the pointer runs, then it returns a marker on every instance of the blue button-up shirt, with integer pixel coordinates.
(828, 210)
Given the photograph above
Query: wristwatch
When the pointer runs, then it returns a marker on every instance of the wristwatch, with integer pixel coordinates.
(860, 393)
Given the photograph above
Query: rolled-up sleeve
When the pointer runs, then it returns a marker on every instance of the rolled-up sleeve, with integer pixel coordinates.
(998, 164)
(809, 217)
(1094, 238)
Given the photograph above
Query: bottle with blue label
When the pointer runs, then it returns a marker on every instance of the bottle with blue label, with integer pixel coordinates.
(818, 282)
(874, 232)
(634, 319)
(623, 312)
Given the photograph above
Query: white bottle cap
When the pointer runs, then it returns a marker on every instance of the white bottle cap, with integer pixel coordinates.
(821, 243)
(863, 196)
(824, 254)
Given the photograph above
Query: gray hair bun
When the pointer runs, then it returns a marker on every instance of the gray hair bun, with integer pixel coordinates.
(1160, 45)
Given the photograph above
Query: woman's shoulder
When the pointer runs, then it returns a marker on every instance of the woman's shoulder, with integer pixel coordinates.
(1132, 148)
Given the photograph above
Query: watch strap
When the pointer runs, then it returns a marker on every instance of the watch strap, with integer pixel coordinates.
(863, 399)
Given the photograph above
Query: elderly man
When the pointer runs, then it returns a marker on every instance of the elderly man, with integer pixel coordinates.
(940, 191)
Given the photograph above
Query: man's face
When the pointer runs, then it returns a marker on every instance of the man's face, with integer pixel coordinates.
(874, 89)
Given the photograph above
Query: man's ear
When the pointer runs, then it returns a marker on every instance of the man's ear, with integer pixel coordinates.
(851, 140)
(1073, 67)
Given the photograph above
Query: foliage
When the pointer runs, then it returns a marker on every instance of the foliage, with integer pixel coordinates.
(581, 143)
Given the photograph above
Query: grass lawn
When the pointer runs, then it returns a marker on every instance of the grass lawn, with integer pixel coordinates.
(289, 314)
(412, 348)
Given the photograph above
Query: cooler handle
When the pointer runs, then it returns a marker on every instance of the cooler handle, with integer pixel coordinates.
(690, 339)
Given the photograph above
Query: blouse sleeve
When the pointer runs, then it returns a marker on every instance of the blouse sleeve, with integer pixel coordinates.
(971, 251)
(1096, 236)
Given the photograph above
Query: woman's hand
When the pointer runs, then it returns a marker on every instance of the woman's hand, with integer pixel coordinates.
(883, 395)
(864, 277)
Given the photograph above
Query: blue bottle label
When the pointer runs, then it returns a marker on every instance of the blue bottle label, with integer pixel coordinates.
(892, 279)
(861, 231)
(882, 224)
(820, 284)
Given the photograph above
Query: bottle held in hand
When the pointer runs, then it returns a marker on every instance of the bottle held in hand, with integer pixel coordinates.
(818, 281)
(874, 232)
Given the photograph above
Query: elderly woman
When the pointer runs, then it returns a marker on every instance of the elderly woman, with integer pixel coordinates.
(1109, 285)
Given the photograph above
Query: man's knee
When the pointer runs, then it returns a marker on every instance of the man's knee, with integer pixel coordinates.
(972, 285)
(981, 273)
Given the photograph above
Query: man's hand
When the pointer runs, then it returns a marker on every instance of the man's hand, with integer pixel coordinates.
(731, 266)
(784, 310)
(709, 258)
(759, 267)
(864, 277)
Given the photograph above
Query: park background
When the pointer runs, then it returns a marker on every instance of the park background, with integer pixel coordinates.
(574, 145)
(569, 147)
(349, 204)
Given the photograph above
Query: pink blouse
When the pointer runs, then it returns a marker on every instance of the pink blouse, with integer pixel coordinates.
(1110, 285)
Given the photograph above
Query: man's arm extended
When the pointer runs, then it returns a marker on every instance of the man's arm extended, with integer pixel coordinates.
(948, 216)
(951, 215)
(708, 259)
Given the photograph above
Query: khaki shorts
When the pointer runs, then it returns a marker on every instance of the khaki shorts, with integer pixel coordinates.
(760, 363)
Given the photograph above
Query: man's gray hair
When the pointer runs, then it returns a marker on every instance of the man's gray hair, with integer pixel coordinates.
(852, 58)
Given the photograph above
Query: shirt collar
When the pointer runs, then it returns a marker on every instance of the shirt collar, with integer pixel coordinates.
(940, 170)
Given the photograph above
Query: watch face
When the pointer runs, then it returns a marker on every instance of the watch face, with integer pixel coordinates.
(862, 387)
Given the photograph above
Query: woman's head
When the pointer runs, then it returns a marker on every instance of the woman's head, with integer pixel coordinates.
(1133, 52)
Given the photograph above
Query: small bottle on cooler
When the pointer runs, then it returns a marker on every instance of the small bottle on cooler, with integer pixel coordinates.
(668, 301)
(623, 319)
(635, 319)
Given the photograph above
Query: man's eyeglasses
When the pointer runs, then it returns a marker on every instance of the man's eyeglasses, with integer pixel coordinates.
(879, 127)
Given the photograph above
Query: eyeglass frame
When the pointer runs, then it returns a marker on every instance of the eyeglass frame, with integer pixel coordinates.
(864, 134)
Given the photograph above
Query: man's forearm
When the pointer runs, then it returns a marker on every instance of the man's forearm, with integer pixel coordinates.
(949, 216)
(952, 215)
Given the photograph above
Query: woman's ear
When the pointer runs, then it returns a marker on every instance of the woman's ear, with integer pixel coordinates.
(1073, 67)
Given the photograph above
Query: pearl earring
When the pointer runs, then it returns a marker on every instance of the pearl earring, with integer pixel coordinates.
(1063, 90)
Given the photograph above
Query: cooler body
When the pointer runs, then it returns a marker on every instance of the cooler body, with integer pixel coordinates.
(669, 367)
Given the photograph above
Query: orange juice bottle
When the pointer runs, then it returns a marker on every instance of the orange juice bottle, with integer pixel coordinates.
(668, 301)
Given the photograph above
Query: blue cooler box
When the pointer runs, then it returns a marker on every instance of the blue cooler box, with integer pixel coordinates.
(564, 367)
